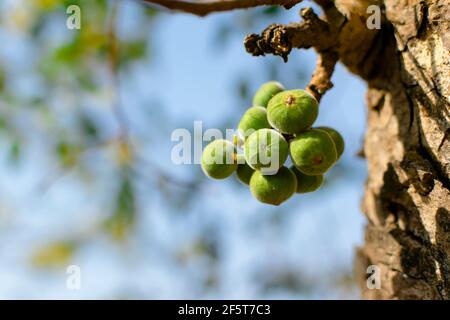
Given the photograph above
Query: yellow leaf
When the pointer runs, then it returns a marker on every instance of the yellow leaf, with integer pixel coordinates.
(125, 155)
(47, 4)
(54, 254)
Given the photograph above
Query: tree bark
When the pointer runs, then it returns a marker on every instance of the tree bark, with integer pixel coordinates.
(407, 196)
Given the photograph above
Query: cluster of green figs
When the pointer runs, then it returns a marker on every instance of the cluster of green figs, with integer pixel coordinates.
(278, 125)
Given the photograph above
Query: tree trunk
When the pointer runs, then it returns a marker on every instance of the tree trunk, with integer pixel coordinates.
(407, 197)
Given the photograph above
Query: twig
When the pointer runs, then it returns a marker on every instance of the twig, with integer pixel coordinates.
(202, 8)
(321, 79)
(278, 39)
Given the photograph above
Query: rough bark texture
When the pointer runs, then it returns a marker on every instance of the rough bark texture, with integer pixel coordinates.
(407, 199)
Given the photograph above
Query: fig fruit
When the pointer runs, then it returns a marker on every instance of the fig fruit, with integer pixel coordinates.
(313, 152)
(306, 183)
(254, 118)
(266, 92)
(337, 139)
(266, 149)
(292, 111)
(273, 189)
(219, 159)
(244, 173)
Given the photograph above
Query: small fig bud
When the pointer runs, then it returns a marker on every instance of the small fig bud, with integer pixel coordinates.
(244, 173)
(266, 148)
(219, 159)
(313, 152)
(306, 183)
(292, 111)
(266, 92)
(337, 139)
(273, 189)
(254, 118)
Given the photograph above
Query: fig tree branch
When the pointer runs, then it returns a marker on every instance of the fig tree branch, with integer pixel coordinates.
(202, 8)
(313, 32)
(321, 79)
(278, 39)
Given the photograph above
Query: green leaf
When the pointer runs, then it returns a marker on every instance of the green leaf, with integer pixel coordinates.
(120, 223)
(68, 153)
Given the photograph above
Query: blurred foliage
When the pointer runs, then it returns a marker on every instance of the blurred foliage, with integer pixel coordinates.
(53, 255)
(120, 223)
(76, 66)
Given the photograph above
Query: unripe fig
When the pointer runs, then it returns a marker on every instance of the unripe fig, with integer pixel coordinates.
(219, 159)
(273, 189)
(267, 149)
(306, 183)
(292, 111)
(266, 92)
(244, 173)
(337, 139)
(313, 152)
(254, 118)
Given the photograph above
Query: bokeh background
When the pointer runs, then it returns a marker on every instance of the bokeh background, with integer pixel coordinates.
(86, 176)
